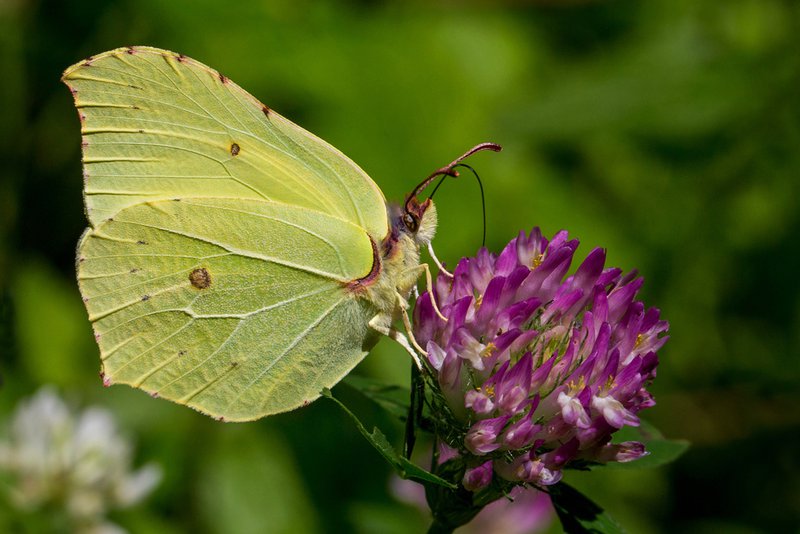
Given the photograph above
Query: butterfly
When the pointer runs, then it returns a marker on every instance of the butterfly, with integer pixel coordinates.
(234, 262)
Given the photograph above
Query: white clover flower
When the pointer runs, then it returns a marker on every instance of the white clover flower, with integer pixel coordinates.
(75, 462)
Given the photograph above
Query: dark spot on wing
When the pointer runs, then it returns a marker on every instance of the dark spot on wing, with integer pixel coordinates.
(131, 50)
(223, 78)
(145, 298)
(200, 278)
(234, 365)
(134, 270)
(181, 352)
(266, 110)
(235, 149)
(181, 58)
(140, 242)
(154, 394)
(141, 131)
(134, 106)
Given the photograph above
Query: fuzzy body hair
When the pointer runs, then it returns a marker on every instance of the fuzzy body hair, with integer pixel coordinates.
(399, 265)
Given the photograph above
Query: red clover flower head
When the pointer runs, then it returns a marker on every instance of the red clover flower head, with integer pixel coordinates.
(536, 369)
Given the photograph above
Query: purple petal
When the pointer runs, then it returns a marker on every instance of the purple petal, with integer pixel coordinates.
(456, 316)
(520, 434)
(436, 355)
(478, 477)
(478, 402)
(561, 304)
(489, 301)
(425, 320)
(530, 248)
(541, 374)
(507, 260)
(620, 298)
(587, 274)
(609, 276)
(573, 411)
(626, 451)
(449, 375)
(515, 315)
(482, 436)
(562, 455)
(614, 412)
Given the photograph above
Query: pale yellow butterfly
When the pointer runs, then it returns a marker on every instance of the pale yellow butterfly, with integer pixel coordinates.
(234, 262)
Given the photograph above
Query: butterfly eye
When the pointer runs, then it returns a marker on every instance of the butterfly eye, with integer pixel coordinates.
(411, 222)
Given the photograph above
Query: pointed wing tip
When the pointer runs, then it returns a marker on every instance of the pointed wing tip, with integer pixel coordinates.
(128, 50)
(87, 62)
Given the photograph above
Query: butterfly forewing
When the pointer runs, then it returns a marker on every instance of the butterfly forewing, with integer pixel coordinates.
(158, 125)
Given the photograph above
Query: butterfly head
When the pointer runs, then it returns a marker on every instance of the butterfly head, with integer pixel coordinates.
(418, 219)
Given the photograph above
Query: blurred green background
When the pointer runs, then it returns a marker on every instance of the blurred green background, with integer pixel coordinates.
(666, 131)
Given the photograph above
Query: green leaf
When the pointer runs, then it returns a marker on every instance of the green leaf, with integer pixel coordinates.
(579, 514)
(645, 432)
(392, 398)
(404, 467)
(661, 450)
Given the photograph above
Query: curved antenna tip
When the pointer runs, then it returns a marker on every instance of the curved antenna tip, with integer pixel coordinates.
(489, 146)
(449, 170)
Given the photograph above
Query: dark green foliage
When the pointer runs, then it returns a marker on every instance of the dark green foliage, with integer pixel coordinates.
(578, 514)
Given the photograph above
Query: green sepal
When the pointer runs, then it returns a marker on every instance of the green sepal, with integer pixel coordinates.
(454, 508)
(405, 468)
(451, 508)
(579, 514)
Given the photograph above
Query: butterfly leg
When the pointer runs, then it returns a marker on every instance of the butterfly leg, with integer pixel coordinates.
(429, 287)
(403, 304)
(437, 262)
(382, 325)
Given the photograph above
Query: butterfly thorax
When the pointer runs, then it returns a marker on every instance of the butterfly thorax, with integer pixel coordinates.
(396, 258)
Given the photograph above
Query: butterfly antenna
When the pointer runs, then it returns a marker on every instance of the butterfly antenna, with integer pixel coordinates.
(483, 199)
(436, 187)
(448, 170)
